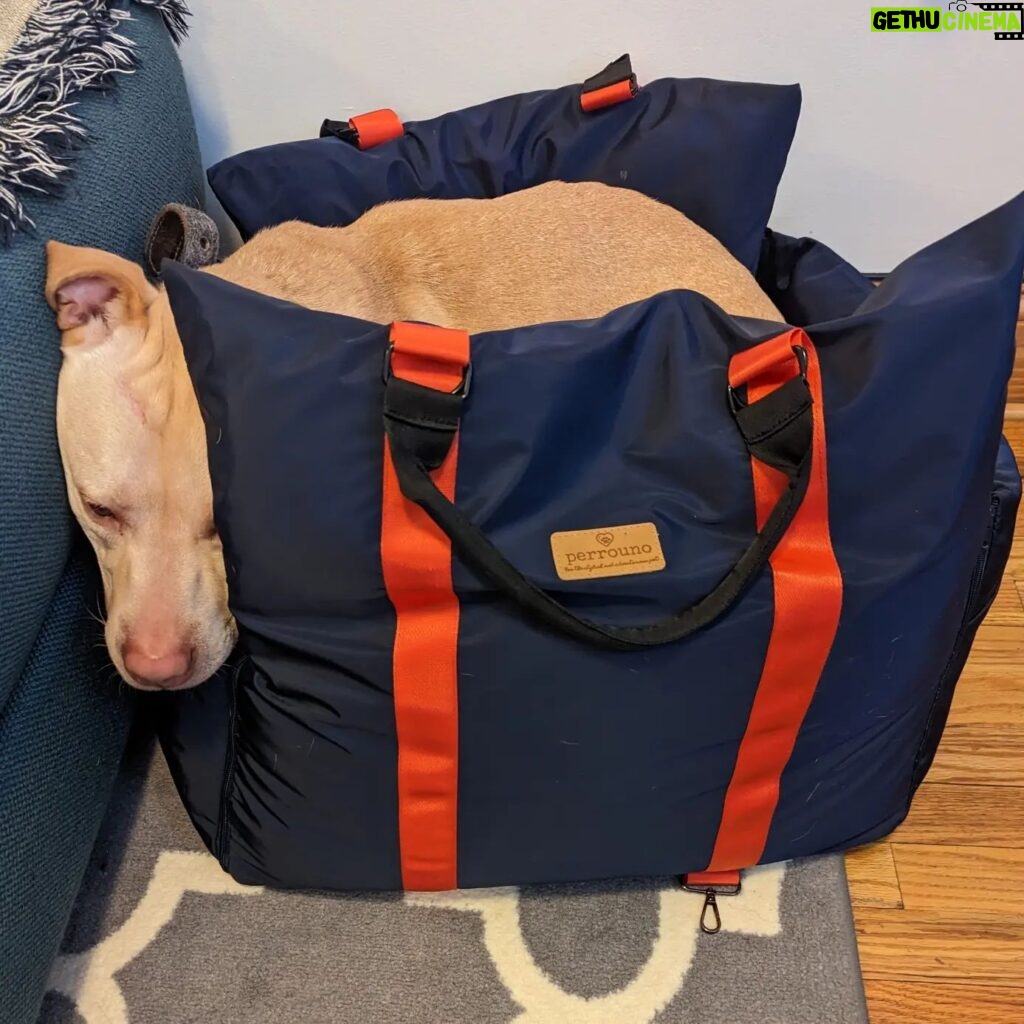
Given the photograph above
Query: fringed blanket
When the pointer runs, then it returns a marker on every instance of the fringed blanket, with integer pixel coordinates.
(50, 50)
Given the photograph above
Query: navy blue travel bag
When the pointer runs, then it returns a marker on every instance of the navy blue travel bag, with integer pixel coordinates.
(812, 519)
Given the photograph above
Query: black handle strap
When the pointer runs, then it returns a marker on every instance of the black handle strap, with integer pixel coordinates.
(421, 424)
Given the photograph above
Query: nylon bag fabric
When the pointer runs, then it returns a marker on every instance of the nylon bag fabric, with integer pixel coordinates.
(714, 150)
(576, 762)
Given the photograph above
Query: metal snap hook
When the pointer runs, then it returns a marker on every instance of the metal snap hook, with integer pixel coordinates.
(712, 885)
(710, 917)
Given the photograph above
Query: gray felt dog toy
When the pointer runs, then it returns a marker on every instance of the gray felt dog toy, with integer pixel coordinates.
(184, 234)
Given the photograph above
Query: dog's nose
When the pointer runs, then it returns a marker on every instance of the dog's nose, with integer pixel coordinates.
(163, 666)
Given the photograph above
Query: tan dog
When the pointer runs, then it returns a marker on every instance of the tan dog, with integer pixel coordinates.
(130, 432)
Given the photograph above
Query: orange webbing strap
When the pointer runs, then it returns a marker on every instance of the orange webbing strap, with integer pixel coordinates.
(808, 597)
(608, 96)
(417, 561)
(712, 879)
(376, 127)
(615, 84)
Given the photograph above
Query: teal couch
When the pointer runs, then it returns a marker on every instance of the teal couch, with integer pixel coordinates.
(63, 715)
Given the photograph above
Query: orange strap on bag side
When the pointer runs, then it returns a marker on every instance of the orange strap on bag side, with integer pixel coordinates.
(712, 879)
(376, 127)
(416, 557)
(808, 597)
(608, 96)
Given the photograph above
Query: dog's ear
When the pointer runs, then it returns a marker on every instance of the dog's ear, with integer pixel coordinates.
(93, 293)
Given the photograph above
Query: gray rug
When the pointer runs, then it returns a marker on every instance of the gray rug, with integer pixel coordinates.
(162, 936)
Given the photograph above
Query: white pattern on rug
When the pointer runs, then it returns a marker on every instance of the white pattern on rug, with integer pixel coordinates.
(88, 979)
(754, 912)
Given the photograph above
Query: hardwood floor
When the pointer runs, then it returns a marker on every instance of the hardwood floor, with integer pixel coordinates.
(939, 905)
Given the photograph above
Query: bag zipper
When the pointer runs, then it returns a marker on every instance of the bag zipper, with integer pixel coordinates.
(982, 563)
(973, 591)
(228, 785)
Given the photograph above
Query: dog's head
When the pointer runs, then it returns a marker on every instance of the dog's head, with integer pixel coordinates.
(134, 453)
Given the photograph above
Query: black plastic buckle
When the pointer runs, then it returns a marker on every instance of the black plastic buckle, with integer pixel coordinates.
(339, 130)
(738, 402)
(620, 70)
(460, 392)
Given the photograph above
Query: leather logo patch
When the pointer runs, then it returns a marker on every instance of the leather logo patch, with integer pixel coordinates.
(607, 551)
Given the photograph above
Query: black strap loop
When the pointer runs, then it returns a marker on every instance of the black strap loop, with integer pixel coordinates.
(777, 430)
(343, 130)
(620, 70)
(421, 421)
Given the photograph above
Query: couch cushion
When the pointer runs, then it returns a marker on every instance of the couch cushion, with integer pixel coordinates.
(61, 737)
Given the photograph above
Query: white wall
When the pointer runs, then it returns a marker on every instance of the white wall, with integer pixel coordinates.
(902, 138)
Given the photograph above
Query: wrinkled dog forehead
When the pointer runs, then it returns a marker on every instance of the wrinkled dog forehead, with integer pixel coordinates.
(103, 417)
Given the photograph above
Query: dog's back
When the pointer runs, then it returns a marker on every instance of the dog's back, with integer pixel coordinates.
(555, 252)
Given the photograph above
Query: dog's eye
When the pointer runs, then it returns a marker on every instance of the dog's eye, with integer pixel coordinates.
(98, 511)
